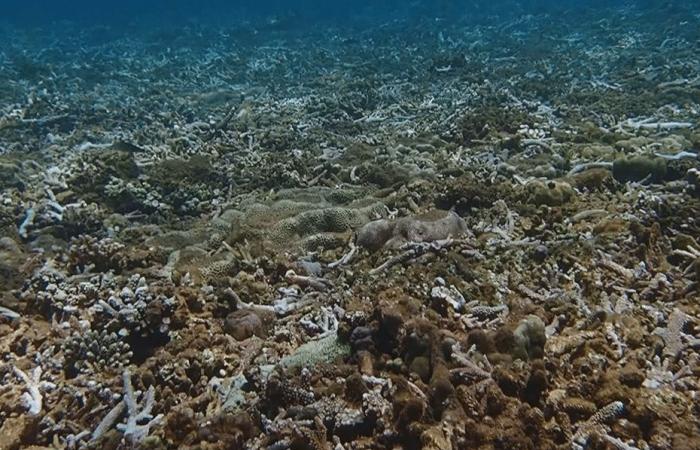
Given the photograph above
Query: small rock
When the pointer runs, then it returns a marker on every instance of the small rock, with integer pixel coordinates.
(530, 338)
(434, 439)
(639, 168)
(540, 253)
(365, 363)
(16, 431)
(550, 193)
(375, 234)
(243, 324)
(421, 367)
(631, 376)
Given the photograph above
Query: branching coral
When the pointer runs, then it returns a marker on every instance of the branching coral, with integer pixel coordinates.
(33, 398)
(412, 251)
(132, 307)
(94, 350)
(597, 424)
(135, 430)
(673, 335)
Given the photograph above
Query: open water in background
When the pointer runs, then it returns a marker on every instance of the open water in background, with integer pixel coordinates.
(296, 13)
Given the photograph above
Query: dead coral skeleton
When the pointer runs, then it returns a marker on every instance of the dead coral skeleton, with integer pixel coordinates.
(675, 340)
(448, 294)
(659, 374)
(483, 316)
(321, 324)
(607, 262)
(317, 283)
(597, 424)
(470, 370)
(33, 398)
(650, 123)
(138, 422)
(8, 313)
(412, 251)
(108, 421)
(346, 258)
(135, 430)
(288, 301)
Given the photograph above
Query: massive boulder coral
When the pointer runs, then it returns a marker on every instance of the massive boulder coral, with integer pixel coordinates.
(549, 193)
(11, 256)
(394, 233)
(297, 220)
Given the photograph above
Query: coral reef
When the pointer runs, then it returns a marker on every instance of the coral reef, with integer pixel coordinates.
(476, 232)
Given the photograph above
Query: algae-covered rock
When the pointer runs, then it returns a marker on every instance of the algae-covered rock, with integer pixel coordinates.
(639, 168)
(428, 229)
(243, 324)
(467, 192)
(17, 432)
(320, 351)
(693, 178)
(11, 258)
(170, 174)
(594, 180)
(549, 193)
(10, 176)
(633, 144)
(101, 166)
(375, 234)
(434, 439)
(529, 338)
(479, 124)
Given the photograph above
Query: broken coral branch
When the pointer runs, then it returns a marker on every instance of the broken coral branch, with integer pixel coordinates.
(413, 250)
(134, 431)
(32, 399)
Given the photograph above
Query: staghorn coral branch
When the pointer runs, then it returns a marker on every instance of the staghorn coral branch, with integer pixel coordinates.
(618, 443)
(469, 368)
(7, 312)
(325, 324)
(26, 223)
(649, 124)
(133, 431)
(346, 258)
(108, 421)
(413, 250)
(612, 266)
(590, 165)
(317, 283)
(32, 399)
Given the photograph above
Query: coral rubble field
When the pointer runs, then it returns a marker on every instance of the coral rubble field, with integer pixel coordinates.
(480, 233)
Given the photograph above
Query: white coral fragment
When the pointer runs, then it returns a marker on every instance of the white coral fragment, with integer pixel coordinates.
(134, 429)
(32, 399)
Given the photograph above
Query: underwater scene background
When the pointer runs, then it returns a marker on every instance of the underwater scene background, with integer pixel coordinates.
(349, 225)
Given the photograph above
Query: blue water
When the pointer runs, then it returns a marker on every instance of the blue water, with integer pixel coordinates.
(305, 12)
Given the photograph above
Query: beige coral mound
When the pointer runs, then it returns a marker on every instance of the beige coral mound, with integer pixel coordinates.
(306, 222)
(428, 228)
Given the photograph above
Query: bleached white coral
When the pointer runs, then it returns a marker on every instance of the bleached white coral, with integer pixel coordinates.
(33, 399)
(134, 430)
